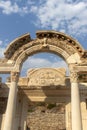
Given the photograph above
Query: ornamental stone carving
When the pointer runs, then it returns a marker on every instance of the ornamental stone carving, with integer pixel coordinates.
(73, 77)
(46, 77)
(73, 73)
(16, 44)
(61, 37)
(14, 76)
(43, 37)
(85, 55)
(46, 41)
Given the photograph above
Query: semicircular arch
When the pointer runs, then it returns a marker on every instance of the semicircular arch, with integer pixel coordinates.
(47, 41)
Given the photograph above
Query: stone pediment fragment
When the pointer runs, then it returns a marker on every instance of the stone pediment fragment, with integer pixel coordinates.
(46, 77)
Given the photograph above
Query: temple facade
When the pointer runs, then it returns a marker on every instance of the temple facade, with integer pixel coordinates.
(60, 100)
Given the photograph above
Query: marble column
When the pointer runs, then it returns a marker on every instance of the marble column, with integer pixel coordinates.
(75, 103)
(24, 113)
(11, 105)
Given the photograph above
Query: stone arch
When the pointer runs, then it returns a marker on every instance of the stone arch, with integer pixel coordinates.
(46, 41)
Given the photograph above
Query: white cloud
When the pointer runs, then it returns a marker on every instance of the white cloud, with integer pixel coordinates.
(2, 49)
(2, 52)
(30, 2)
(63, 15)
(67, 16)
(1, 42)
(8, 7)
(34, 62)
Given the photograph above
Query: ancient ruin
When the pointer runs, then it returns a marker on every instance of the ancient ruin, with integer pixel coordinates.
(46, 98)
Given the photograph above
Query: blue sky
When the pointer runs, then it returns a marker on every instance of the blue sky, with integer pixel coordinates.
(18, 17)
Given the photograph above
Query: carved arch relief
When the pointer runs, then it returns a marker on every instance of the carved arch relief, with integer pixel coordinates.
(44, 77)
(46, 41)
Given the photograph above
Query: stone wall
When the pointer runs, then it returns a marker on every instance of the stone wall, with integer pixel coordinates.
(44, 116)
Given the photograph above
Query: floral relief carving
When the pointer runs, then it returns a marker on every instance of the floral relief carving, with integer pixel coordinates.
(46, 77)
(74, 77)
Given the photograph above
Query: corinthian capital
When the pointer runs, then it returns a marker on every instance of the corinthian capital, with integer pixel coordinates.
(14, 76)
(73, 77)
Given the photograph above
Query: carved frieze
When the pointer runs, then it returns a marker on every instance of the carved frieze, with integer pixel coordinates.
(85, 55)
(46, 77)
(46, 41)
(16, 44)
(61, 37)
(46, 38)
(62, 44)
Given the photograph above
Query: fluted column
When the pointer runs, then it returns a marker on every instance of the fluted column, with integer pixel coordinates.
(11, 105)
(75, 103)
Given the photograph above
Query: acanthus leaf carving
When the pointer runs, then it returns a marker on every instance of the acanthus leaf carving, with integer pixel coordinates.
(14, 76)
(73, 77)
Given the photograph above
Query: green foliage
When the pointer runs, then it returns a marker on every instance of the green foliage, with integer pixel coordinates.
(50, 106)
(30, 110)
(41, 104)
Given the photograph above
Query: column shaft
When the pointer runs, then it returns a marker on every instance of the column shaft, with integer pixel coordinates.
(24, 113)
(11, 105)
(76, 108)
